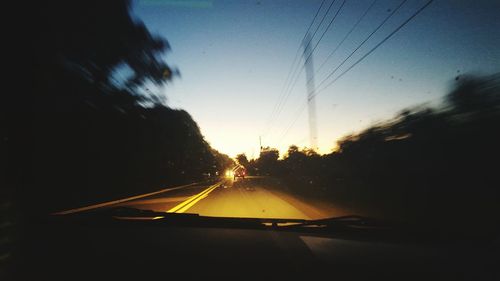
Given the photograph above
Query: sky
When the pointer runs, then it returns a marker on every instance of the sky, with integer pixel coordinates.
(234, 58)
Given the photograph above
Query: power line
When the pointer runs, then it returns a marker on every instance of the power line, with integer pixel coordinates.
(347, 35)
(359, 60)
(376, 46)
(324, 32)
(295, 79)
(363, 42)
(319, 25)
(287, 92)
(297, 74)
(293, 64)
(314, 34)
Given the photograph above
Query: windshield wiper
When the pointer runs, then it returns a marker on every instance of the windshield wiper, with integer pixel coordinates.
(349, 227)
(351, 220)
(187, 219)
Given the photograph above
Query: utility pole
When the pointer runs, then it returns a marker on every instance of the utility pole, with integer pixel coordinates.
(260, 143)
(311, 88)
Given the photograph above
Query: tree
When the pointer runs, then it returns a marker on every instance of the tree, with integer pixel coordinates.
(474, 93)
(242, 160)
(268, 161)
(80, 136)
(67, 44)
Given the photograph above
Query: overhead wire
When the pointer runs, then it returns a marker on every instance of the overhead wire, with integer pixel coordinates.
(280, 109)
(364, 41)
(377, 45)
(292, 66)
(361, 59)
(283, 95)
(346, 36)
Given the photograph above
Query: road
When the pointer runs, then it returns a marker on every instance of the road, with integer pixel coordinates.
(249, 197)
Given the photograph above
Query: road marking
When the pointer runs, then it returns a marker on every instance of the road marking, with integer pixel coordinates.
(188, 203)
(100, 205)
(185, 205)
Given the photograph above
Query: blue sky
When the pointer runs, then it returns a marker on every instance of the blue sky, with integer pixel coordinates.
(234, 57)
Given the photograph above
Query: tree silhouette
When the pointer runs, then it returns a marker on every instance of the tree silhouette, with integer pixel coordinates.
(423, 166)
(81, 136)
(267, 162)
(242, 160)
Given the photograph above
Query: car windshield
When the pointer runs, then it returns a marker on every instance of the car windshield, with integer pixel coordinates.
(260, 109)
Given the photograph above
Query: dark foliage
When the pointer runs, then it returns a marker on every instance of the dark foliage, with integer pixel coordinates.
(437, 166)
(80, 135)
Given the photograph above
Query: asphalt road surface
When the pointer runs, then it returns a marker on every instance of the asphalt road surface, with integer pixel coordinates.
(249, 197)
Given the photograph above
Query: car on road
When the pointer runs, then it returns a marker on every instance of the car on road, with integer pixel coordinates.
(239, 172)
